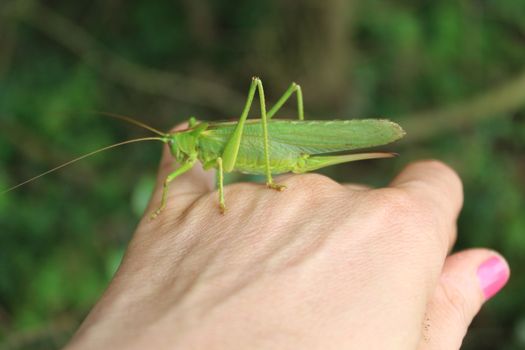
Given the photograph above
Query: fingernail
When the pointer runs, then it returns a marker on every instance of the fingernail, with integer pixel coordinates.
(493, 274)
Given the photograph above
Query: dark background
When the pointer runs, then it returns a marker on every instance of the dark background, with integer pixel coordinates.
(451, 72)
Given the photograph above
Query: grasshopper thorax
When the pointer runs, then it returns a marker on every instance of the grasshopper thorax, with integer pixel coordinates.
(183, 144)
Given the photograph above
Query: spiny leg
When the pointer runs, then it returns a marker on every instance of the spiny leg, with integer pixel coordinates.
(231, 150)
(183, 168)
(220, 185)
(287, 94)
(269, 179)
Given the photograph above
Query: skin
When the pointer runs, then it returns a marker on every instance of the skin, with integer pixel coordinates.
(319, 266)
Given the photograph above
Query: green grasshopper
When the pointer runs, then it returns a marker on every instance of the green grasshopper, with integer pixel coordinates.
(264, 146)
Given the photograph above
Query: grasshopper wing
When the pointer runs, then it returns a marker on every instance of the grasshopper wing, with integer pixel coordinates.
(289, 140)
(294, 137)
(314, 137)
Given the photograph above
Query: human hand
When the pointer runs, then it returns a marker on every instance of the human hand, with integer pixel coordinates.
(318, 266)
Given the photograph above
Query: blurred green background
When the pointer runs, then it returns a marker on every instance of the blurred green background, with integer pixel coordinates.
(451, 72)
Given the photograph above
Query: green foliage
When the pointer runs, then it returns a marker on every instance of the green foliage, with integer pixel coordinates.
(141, 194)
(62, 237)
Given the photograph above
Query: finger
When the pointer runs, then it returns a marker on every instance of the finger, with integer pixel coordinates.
(357, 187)
(469, 278)
(352, 186)
(195, 181)
(435, 181)
(436, 187)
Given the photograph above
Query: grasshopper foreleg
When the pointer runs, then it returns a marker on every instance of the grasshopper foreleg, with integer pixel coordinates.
(183, 168)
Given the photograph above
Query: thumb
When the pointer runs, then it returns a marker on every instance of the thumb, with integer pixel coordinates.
(469, 278)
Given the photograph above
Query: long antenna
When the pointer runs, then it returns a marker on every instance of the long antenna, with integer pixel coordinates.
(131, 121)
(82, 157)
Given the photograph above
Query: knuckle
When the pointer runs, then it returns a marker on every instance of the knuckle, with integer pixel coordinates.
(316, 182)
(310, 190)
(448, 175)
(437, 165)
(444, 169)
(453, 302)
(434, 164)
(414, 220)
(394, 203)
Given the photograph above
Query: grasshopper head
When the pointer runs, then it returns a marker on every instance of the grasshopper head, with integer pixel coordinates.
(183, 143)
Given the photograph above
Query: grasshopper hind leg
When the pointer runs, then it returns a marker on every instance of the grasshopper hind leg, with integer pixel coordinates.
(294, 87)
(275, 186)
(220, 185)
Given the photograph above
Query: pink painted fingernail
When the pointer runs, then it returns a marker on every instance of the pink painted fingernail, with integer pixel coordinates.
(493, 274)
